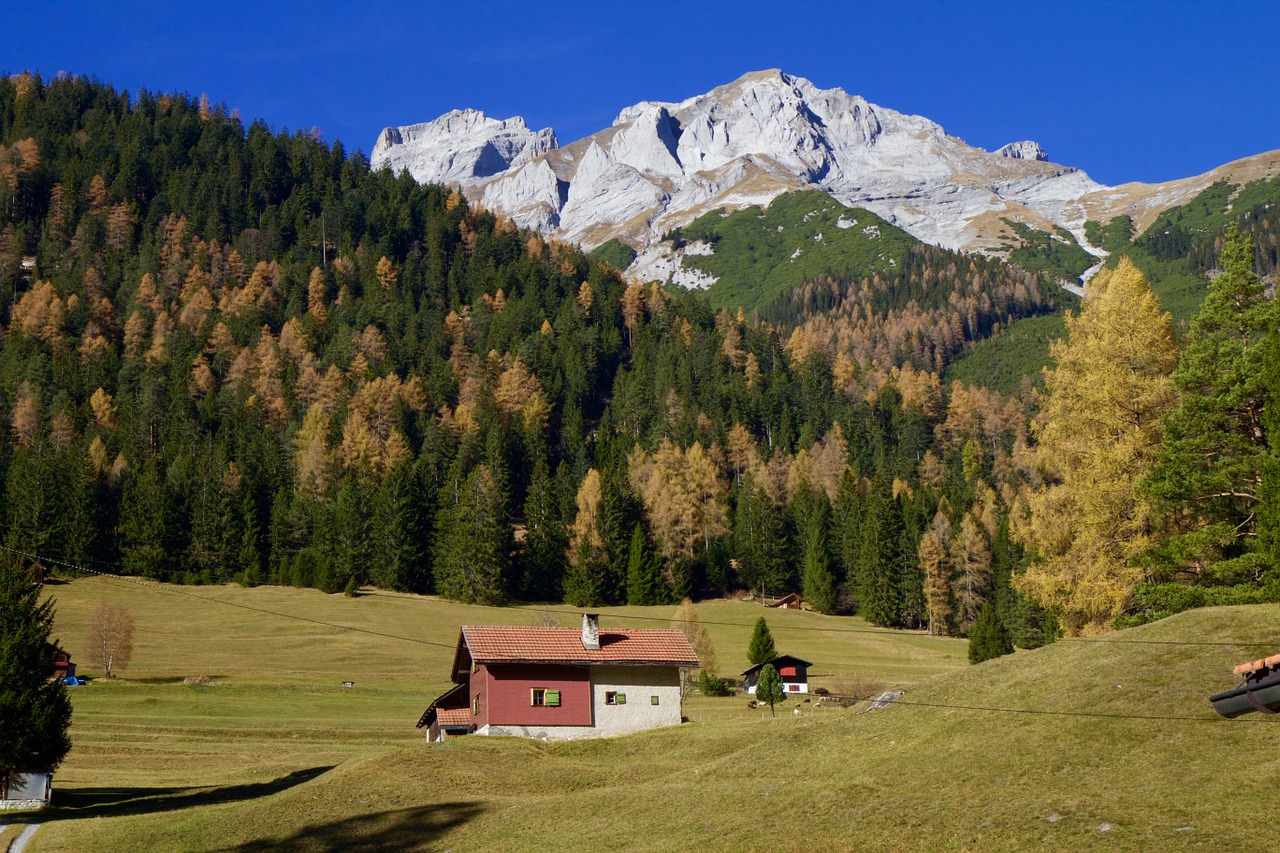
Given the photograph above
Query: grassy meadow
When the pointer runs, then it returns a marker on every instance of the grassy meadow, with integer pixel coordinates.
(274, 754)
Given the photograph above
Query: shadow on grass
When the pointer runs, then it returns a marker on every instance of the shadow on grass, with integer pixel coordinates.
(113, 802)
(402, 829)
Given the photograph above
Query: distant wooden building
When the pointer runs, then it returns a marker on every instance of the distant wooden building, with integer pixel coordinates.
(790, 601)
(794, 672)
(62, 665)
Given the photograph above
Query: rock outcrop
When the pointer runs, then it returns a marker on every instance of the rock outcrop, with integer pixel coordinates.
(463, 147)
(1024, 150)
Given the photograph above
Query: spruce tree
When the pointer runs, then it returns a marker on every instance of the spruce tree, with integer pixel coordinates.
(761, 647)
(1211, 462)
(988, 638)
(35, 711)
(818, 582)
(644, 573)
(542, 562)
(473, 543)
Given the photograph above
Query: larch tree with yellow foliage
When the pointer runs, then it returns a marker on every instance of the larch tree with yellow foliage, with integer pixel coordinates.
(1106, 394)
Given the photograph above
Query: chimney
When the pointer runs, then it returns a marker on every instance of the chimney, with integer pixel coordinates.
(591, 630)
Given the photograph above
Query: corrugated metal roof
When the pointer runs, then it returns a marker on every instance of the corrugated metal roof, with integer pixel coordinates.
(491, 644)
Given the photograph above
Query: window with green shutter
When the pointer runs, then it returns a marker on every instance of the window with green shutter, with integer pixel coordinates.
(653, 700)
(553, 698)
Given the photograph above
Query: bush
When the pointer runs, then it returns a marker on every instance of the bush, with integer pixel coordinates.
(988, 638)
(710, 685)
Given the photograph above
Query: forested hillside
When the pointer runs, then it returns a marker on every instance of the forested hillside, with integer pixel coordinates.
(235, 353)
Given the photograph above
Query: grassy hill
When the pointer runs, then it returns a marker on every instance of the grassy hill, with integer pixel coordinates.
(276, 755)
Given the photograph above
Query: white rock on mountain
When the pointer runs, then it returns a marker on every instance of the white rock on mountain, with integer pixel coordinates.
(661, 165)
(462, 147)
(1024, 150)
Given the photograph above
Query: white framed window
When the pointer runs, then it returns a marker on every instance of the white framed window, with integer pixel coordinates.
(541, 697)
(613, 697)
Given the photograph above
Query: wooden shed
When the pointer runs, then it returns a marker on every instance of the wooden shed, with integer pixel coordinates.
(794, 672)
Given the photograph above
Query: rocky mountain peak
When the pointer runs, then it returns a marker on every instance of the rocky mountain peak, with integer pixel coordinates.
(660, 165)
(463, 147)
(1024, 150)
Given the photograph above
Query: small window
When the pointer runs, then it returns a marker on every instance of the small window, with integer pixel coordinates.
(475, 704)
(653, 700)
(541, 697)
(612, 697)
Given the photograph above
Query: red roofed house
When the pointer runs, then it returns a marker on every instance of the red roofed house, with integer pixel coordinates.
(561, 683)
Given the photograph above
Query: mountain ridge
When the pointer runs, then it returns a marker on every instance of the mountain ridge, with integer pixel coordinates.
(661, 165)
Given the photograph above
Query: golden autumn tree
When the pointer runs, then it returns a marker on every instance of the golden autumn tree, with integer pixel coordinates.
(1107, 391)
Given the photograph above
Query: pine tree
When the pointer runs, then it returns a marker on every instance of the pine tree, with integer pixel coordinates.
(818, 582)
(1215, 448)
(35, 711)
(761, 647)
(473, 543)
(1107, 392)
(988, 637)
(879, 581)
(644, 573)
(542, 562)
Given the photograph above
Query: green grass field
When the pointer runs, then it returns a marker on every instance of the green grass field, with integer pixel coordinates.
(276, 755)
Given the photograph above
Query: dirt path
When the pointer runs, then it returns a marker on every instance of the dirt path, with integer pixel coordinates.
(20, 843)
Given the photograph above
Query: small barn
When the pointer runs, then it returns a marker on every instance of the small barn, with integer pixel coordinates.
(790, 601)
(448, 716)
(63, 668)
(29, 790)
(794, 672)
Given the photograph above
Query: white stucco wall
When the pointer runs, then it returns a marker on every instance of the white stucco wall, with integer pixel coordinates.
(639, 684)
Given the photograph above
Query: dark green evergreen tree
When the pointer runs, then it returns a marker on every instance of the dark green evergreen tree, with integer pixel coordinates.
(473, 542)
(35, 711)
(584, 580)
(1215, 450)
(761, 647)
(988, 638)
(645, 585)
(878, 582)
(819, 583)
(760, 542)
(546, 540)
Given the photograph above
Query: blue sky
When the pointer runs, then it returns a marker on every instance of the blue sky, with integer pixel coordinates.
(1144, 91)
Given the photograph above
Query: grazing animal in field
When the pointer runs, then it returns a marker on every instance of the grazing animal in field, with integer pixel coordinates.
(751, 703)
(795, 711)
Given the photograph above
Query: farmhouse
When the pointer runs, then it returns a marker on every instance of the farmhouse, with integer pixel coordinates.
(794, 672)
(561, 683)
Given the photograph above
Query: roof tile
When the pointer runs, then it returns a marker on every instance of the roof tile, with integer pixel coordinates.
(492, 643)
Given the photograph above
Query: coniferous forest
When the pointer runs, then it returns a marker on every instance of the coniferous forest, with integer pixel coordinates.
(231, 353)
